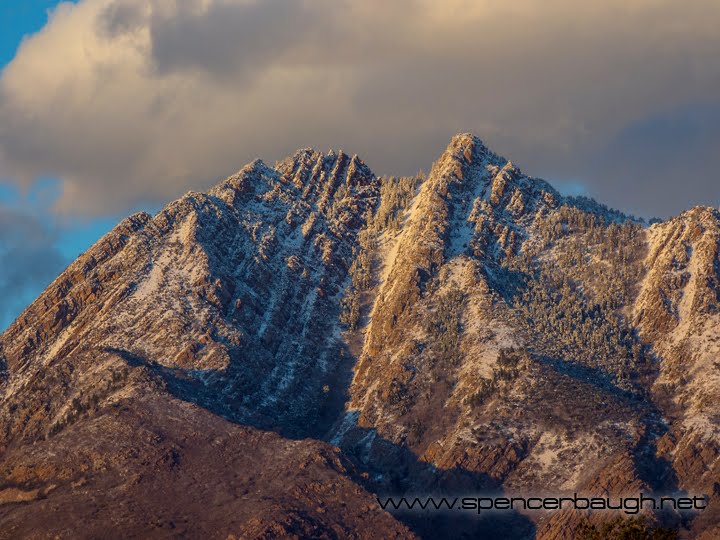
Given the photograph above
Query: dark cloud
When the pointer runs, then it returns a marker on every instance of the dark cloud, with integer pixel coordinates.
(29, 261)
(118, 18)
(664, 163)
(227, 39)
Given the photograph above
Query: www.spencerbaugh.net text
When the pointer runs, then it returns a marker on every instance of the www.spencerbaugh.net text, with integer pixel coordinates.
(629, 505)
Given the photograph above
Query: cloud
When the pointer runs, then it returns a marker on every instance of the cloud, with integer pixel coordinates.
(29, 260)
(131, 101)
(230, 41)
(670, 158)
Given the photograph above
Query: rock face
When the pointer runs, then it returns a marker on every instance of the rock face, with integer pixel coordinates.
(469, 331)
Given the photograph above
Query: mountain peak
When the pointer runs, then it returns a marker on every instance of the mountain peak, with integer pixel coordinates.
(462, 315)
(467, 146)
(467, 138)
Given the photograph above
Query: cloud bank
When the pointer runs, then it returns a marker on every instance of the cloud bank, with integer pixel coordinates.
(130, 101)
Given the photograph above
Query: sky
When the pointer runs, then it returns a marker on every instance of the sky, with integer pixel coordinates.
(111, 106)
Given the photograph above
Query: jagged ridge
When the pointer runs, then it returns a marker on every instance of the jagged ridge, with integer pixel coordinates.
(503, 336)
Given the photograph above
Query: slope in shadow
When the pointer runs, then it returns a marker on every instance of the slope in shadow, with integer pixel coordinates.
(398, 472)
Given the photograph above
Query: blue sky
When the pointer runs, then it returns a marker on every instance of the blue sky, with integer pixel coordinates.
(17, 19)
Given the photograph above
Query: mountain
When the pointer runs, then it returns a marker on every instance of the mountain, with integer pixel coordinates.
(263, 359)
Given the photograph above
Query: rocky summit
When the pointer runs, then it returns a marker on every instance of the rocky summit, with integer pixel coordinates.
(268, 358)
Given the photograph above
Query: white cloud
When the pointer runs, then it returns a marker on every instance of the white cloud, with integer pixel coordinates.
(130, 100)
